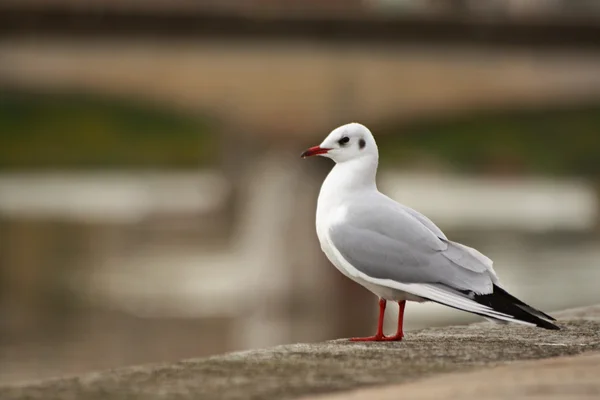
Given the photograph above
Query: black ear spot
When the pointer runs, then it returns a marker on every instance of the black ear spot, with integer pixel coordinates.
(362, 143)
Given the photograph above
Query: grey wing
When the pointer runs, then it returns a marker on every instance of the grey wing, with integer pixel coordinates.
(387, 242)
(425, 221)
(458, 253)
(469, 258)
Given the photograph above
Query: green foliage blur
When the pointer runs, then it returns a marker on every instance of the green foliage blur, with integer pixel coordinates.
(39, 131)
(562, 141)
(78, 131)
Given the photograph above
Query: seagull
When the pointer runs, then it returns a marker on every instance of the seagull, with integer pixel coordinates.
(396, 252)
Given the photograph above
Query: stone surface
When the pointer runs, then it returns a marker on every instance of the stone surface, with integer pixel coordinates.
(298, 370)
(568, 378)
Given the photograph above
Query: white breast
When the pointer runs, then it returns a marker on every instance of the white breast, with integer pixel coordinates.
(324, 222)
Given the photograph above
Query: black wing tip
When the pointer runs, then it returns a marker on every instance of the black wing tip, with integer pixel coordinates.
(547, 325)
(502, 301)
(522, 305)
(550, 326)
(536, 312)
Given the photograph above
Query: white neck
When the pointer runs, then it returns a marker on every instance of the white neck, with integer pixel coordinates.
(347, 178)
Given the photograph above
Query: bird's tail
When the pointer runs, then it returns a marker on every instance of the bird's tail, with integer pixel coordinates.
(498, 305)
(502, 301)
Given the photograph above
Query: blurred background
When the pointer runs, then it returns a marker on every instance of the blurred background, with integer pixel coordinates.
(153, 205)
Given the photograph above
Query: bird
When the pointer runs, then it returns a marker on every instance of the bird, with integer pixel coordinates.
(396, 252)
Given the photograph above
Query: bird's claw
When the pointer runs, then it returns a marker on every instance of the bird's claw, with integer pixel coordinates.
(379, 338)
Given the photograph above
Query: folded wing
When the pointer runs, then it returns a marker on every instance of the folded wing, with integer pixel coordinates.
(391, 246)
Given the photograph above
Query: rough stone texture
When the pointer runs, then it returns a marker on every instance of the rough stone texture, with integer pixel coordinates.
(568, 378)
(308, 369)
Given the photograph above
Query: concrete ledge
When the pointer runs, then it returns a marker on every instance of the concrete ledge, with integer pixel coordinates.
(298, 370)
(568, 378)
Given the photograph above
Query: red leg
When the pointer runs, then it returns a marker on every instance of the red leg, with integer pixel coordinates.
(399, 333)
(379, 335)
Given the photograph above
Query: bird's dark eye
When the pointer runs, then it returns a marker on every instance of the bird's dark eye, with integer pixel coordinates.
(362, 143)
(344, 140)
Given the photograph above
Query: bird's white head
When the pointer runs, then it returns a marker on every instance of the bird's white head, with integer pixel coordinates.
(346, 143)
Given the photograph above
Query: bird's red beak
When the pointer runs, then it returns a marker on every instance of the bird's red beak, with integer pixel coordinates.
(314, 151)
